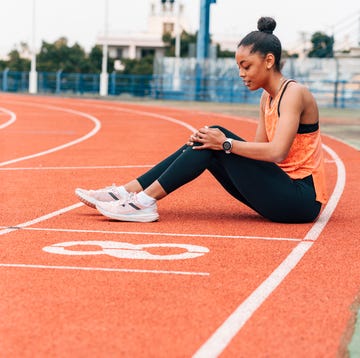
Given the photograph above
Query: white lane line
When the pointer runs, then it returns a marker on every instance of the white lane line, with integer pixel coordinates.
(315, 231)
(40, 219)
(63, 146)
(87, 136)
(146, 233)
(104, 269)
(220, 339)
(148, 114)
(81, 168)
(216, 344)
(227, 331)
(10, 121)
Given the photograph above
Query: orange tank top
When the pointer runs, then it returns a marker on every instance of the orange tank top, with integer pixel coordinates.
(305, 156)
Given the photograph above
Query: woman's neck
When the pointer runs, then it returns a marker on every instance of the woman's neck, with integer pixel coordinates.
(275, 85)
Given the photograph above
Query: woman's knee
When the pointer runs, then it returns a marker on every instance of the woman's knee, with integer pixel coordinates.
(227, 132)
(218, 127)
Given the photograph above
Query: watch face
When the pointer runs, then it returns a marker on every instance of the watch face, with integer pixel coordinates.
(227, 145)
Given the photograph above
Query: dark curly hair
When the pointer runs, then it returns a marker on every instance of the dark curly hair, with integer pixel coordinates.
(263, 40)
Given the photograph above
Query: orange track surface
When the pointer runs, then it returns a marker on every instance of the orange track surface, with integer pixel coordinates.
(258, 289)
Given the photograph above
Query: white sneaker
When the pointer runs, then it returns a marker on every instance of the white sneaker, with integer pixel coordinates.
(92, 197)
(129, 210)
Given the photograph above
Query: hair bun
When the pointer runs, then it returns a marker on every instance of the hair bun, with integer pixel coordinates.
(266, 24)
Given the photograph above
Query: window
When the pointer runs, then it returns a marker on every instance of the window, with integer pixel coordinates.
(119, 53)
(168, 27)
(147, 52)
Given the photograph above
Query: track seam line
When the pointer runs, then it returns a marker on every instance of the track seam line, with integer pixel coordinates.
(149, 233)
(104, 269)
(77, 168)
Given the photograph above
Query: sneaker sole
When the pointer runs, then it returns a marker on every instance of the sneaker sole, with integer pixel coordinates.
(143, 218)
(86, 199)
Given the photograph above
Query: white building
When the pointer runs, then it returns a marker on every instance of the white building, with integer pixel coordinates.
(163, 18)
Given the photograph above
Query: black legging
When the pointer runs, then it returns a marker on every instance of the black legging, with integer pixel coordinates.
(263, 186)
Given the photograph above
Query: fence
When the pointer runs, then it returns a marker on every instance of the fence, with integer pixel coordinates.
(334, 83)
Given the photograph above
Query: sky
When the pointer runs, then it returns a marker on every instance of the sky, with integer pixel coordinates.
(82, 21)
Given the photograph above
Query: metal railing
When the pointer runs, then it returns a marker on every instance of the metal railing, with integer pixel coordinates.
(329, 93)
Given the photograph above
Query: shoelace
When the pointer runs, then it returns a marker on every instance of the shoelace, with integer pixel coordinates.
(113, 188)
(129, 199)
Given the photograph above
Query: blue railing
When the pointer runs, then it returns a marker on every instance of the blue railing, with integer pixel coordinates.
(342, 94)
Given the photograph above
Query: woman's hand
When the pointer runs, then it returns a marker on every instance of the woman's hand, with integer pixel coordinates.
(207, 138)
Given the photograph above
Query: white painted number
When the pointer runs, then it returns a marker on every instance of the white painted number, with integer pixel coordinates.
(124, 250)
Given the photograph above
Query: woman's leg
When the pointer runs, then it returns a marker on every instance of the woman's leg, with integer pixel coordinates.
(150, 177)
(263, 186)
(146, 179)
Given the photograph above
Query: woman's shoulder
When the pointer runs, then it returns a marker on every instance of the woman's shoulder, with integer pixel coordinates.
(300, 95)
(297, 91)
(297, 87)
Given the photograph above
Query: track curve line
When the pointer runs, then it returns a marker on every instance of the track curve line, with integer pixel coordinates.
(149, 114)
(11, 120)
(221, 338)
(96, 128)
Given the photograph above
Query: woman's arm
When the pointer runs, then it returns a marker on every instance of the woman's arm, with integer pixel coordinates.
(275, 151)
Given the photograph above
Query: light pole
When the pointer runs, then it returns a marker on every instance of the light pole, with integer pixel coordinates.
(177, 29)
(202, 46)
(203, 37)
(33, 73)
(104, 76)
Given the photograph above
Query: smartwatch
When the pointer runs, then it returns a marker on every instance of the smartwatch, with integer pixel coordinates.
(227, 145)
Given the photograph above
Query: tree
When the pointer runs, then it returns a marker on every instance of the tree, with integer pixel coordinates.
(323, 45)
(59, 56)
(3, 65)
(224, 53)
(143, 66)
(16, 63)
(186, 40)
(95, 59)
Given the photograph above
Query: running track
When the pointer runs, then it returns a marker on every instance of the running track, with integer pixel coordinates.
(211, 278)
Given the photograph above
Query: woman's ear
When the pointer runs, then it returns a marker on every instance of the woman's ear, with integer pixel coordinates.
(269, 61)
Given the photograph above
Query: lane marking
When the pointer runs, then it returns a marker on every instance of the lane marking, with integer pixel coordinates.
(317, 228)
(148, 114)
(222, 337)
(87, 136)
(127, 250)
(10, 121)
(105, 269)
(89, 167)
(225, 333)
(63, 146)
(40, 219)
(79, 168)
(147, 233)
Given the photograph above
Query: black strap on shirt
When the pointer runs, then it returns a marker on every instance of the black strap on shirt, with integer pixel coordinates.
(303, 128)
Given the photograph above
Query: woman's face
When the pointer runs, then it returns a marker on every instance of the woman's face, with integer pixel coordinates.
(253, 67)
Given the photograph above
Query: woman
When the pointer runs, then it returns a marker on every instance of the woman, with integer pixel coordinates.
(280, 174)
